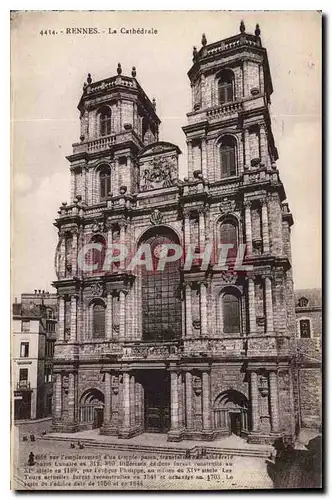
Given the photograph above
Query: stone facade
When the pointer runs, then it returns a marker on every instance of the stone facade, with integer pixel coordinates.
(308, 308)
(33, 339)
(199, 381)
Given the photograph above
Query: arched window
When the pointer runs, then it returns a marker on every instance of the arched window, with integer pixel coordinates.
(229, 235)
(98, 320)
(105, 121)
(228, 157)
(161, 303)
(303, 302)
(226, 87)
(105, 182)
(231, 313)
(96, 256)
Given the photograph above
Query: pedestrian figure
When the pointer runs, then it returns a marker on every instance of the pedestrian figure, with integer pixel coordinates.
(32, 437)
(72, 445)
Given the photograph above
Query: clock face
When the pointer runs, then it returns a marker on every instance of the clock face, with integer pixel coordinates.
(157, 251)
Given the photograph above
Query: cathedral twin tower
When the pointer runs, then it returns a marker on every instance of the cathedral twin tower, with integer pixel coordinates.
(197, 354)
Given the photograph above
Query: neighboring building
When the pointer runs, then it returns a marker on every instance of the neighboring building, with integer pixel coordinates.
(308, 309)
(197, 354)
(33, 339)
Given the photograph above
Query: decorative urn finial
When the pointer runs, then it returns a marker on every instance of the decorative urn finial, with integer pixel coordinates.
(154, 103)
(119, 69)
(204, 40)
(133, 72)
(242, 27)
(89, 79)
(257, 30)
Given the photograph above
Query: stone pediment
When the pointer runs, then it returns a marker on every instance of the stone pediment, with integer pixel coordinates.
(161, 147)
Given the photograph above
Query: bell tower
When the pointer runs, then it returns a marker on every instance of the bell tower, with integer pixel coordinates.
(117, 119)
(231, 88)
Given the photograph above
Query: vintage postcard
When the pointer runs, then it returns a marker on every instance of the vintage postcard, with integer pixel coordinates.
(166, 260)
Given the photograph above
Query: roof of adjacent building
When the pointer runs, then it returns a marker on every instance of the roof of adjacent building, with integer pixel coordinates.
(313, 295)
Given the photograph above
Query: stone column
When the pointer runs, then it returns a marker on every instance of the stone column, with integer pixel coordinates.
(71, 397)
(206, 395)
(274, 405)
(268, 305)
(261, 79)
(181, 401)
(58, 396)
(247, 216)
(72, 184)
(246, 149)
(74, 254)
(190, 158)
(263, 145)
(189, 401)
(122, 315)
(186, 230)
(122, 241)
(109, 245)
(126, 401)
(109, 316)
(61, 322)
(73, 318)
(203, 308)
(254, 402)
(251, 305)
(174, 402)
(204, 158)
(189, 321)
(108, 399)
(132, 401)
(245, 78)
(265, 227)
(201, 229)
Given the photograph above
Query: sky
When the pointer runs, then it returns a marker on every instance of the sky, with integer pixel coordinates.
(47, 75)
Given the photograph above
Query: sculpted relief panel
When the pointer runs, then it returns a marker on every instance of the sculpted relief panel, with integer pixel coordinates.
(160, 172)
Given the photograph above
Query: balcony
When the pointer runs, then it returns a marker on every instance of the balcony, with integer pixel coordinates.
(227, 109)
(267, 346)
(105, 142)
(23, 385)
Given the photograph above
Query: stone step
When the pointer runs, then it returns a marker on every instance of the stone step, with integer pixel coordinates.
(165, 450)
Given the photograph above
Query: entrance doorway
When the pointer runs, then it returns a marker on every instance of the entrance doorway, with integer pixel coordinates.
(231, 413)
(156, 401)
(235, 421)
(92, 408)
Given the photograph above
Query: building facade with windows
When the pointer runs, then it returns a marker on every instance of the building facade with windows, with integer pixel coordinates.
(33, 339)
(308, 309)
(195, 353)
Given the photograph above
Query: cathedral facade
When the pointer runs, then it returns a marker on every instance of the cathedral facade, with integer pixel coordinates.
(196, 352)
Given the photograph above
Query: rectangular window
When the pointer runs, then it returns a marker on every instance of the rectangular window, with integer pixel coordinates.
(305, 328)
(24, 351)
(23, 374)
(48, 374)
(25, 325)
(50, 326)
(49, 349)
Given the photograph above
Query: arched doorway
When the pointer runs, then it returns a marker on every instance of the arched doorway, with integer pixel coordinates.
(231, 413)
(92, 408)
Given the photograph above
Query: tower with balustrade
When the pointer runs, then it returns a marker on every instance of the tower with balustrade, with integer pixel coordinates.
(195, 353)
